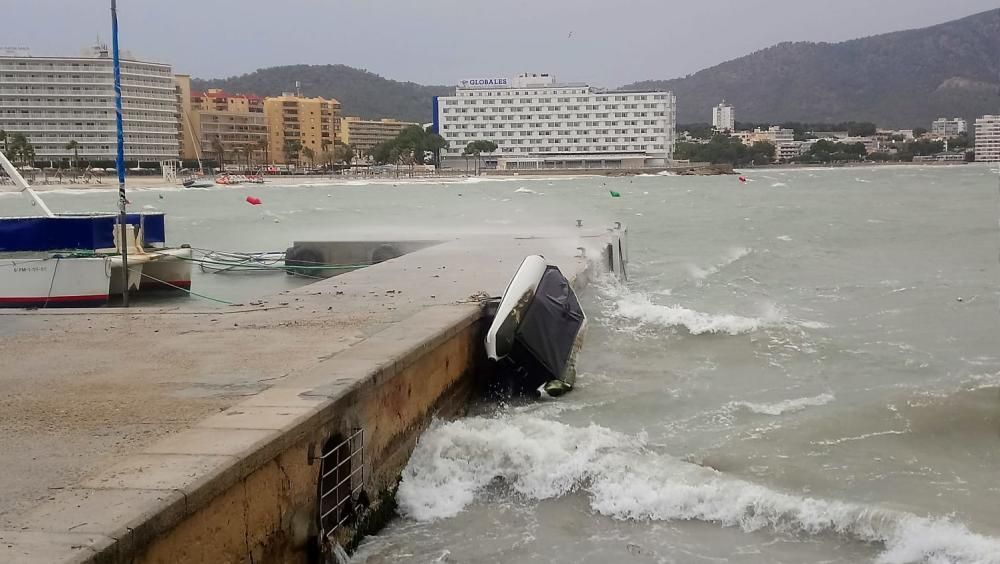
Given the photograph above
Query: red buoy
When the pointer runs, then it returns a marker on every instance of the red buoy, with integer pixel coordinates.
(252, 200)
(743, 179)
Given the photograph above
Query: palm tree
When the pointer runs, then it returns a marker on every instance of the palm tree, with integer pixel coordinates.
(309, 154)
(220, 151)
(291, 148)
(75, 147)
(262, 145)
(239, 153)
(19, 149)
(344, 153)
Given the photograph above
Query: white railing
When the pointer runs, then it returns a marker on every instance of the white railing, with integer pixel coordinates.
(110, 127)
(127, 69)
(32, 104)
(130, 116)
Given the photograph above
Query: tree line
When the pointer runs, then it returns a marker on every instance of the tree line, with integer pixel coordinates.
(725, 149)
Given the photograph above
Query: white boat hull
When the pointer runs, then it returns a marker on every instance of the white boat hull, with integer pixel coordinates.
(517, 297)
(160, 269)
(54, 282)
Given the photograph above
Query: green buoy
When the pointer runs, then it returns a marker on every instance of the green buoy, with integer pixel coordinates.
(614, 194)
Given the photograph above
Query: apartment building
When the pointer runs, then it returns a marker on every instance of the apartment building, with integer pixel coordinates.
(988, 139)
(724, 117)
(224, 127)
(365, 134)
(298, 127)
(57, 100)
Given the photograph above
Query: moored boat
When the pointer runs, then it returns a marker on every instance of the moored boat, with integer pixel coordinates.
(77, 259)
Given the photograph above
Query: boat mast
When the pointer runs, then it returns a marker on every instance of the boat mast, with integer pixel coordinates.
(19, 180)
(120, 159)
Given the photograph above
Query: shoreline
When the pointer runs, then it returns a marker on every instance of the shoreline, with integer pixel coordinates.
(696, 169)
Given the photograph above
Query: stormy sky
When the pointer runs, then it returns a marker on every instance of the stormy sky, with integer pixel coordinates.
(604, 42)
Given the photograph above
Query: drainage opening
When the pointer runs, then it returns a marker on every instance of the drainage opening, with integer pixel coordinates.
(341, 481)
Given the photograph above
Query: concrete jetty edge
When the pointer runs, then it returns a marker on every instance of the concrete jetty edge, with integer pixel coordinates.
(241, 482)
(242, 485)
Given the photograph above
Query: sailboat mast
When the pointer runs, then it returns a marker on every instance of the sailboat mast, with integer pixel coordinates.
(120, 159)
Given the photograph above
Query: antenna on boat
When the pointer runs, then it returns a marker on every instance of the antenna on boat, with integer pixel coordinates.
(19, 180)
(120, 159)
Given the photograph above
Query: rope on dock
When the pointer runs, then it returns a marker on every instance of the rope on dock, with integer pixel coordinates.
(187, 290)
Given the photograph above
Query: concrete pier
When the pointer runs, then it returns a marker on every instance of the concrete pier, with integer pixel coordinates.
(185, 435)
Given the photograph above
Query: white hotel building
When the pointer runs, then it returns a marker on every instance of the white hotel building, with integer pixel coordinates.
(988, 139)
(55, 100)
(538, 123)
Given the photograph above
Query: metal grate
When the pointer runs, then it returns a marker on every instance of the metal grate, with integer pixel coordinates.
(341, 480)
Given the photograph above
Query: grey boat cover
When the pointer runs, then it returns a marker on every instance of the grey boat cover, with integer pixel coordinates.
(550, 326)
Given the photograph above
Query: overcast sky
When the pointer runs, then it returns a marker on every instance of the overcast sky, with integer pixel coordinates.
(604, 42)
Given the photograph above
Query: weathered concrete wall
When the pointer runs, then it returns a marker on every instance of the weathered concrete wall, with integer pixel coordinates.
(270, 514)
(242, 485)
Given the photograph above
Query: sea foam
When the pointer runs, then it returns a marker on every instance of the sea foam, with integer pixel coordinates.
(785, 406)
(638, 307)
(540, 459)
(734, 254)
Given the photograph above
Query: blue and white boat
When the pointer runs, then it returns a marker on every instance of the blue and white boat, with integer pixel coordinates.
(54, 260)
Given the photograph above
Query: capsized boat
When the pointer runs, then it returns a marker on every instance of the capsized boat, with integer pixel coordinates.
(537, 332)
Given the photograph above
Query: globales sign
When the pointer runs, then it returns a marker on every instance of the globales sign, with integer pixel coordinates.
(484, 83)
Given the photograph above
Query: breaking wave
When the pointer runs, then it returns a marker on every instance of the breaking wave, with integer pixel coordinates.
(786, 406)
(637, 307)
(734, 254)
(541, 459)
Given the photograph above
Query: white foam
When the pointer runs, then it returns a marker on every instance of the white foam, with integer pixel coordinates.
(785, 406)
(524, 190)
(638, 307)
(783, 238)
(732, 255)
(541, 459)
(778, 185)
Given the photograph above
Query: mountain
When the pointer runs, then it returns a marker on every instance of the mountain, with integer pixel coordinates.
(361, 93)
(900, 79)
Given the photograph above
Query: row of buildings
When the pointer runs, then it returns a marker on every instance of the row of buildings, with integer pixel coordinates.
(536, 121)
(987, 136)
(55, 101)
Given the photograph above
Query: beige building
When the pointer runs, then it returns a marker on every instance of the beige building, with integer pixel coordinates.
(220, 126)
(185, 138)
(364, 134)
(295, 124)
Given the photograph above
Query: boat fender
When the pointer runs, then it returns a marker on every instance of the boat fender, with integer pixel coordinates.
(304, 257)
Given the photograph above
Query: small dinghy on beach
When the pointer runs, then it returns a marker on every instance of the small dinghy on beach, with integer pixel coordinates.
(537, 332)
